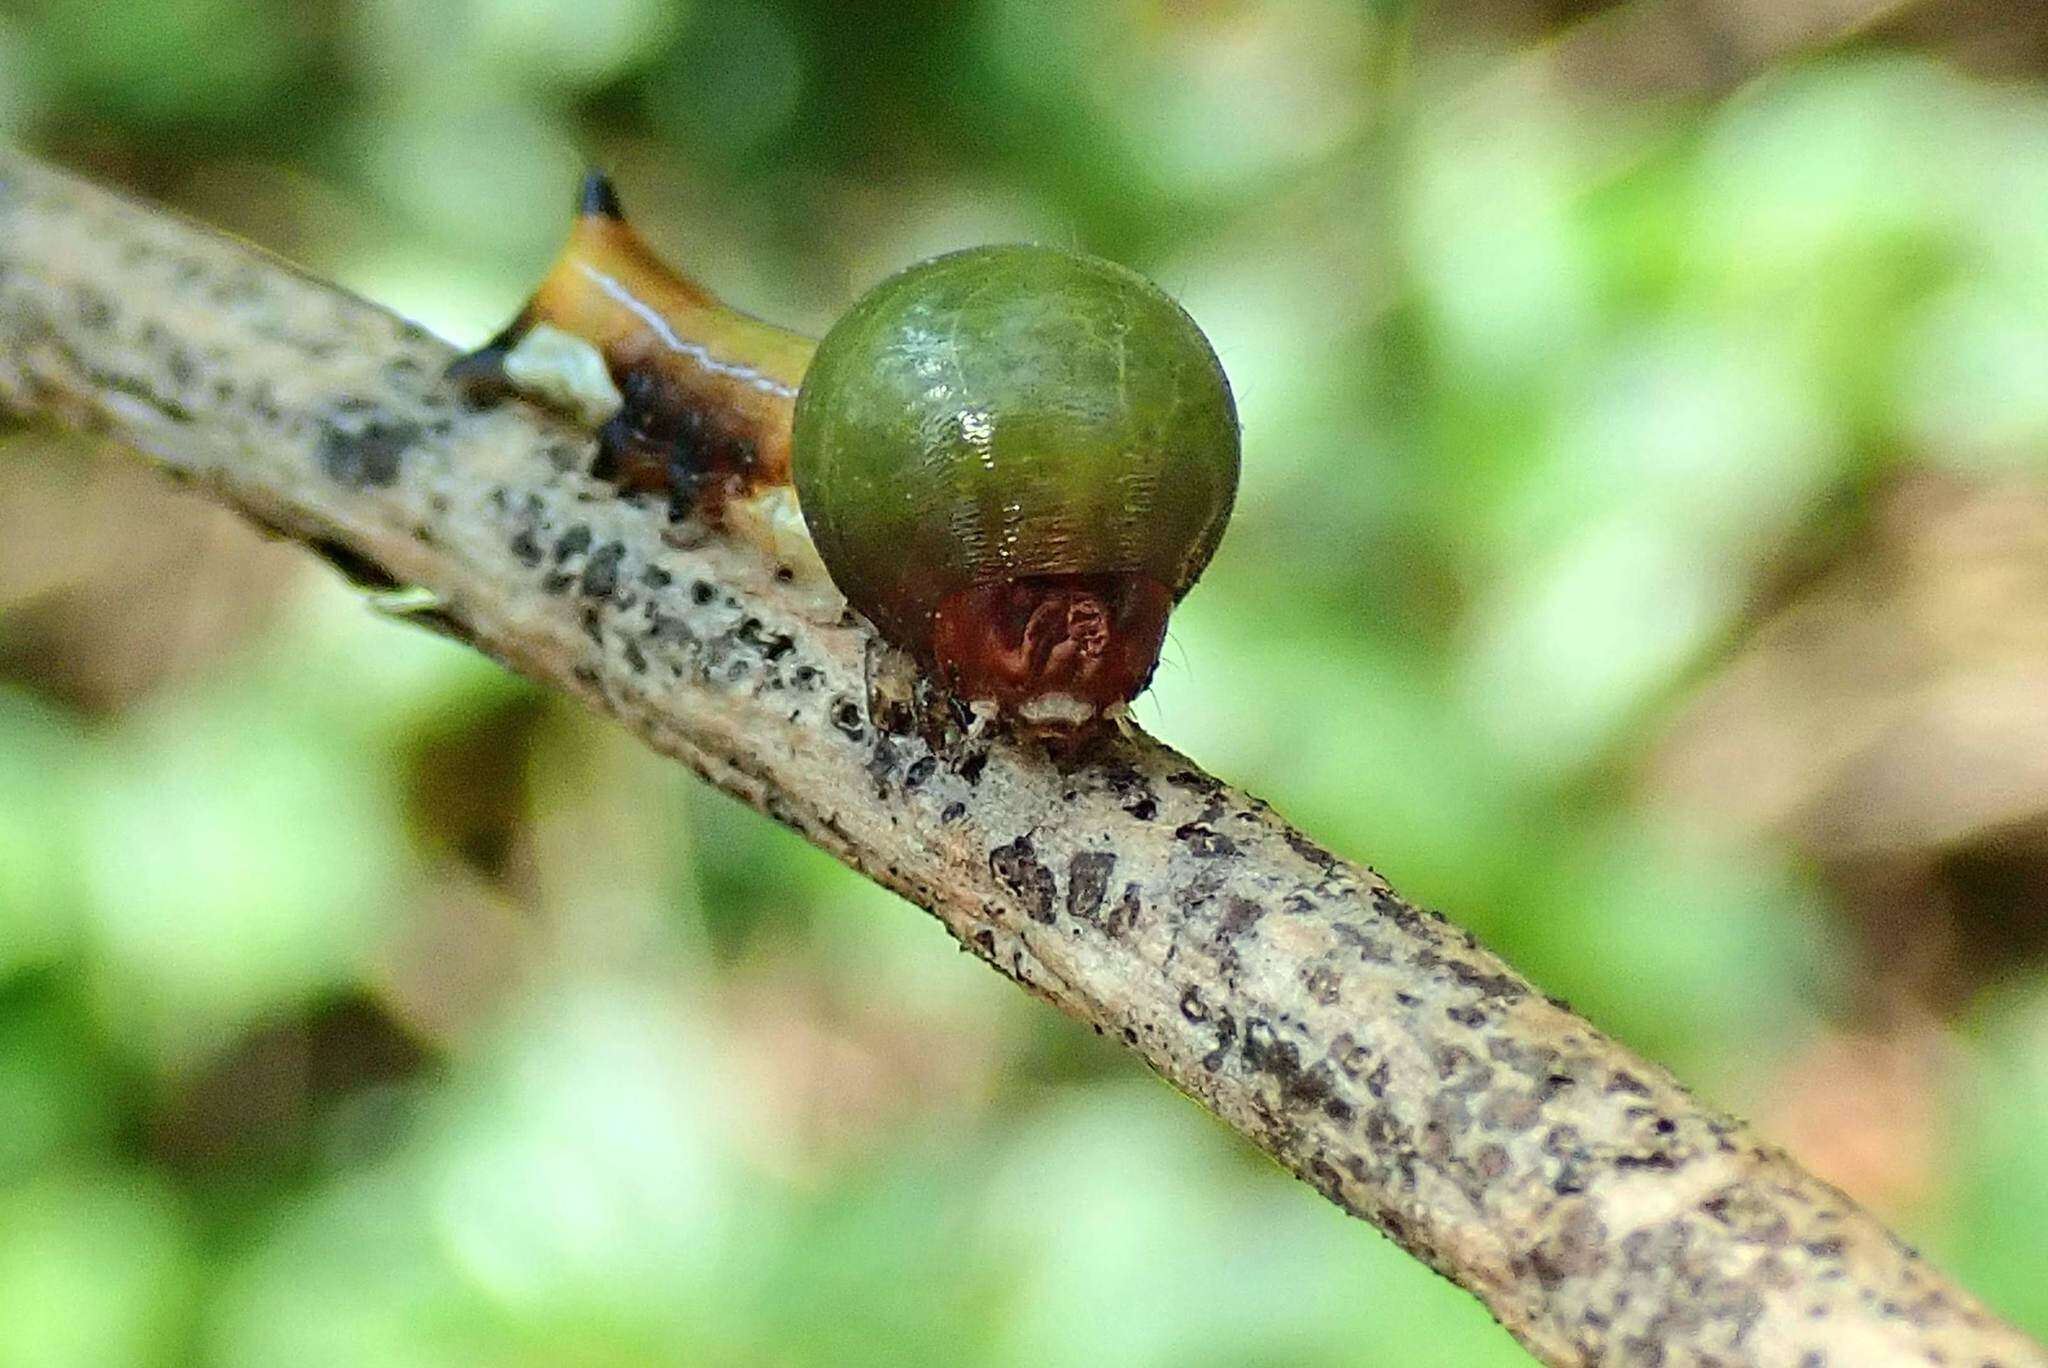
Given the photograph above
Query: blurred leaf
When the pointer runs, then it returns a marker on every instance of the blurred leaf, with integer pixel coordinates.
(1550, 391)
(574, 41)
(59, 1092)
(1706, 955)
(442, 155)
(1132, 1238)
(95, 1271)
(22, 79)
(732, 81)
(1993, 1232)
(198, 60)
(41, 840)
(568, 1198)
(1974, 377)
(257, 864)
(1197, 102)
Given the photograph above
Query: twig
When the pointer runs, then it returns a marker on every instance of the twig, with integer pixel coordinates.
(1371, 1047)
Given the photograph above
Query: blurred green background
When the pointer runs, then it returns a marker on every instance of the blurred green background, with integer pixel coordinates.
(1643, 556)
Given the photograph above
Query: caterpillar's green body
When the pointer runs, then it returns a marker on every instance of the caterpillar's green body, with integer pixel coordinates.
(1011, 411)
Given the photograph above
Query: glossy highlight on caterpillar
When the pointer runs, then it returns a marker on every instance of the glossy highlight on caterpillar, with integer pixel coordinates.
(1013, 460)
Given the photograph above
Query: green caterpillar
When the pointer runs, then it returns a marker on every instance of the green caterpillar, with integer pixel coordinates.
(1013, 460)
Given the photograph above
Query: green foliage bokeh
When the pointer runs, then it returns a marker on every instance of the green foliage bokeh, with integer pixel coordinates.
(358, 1006)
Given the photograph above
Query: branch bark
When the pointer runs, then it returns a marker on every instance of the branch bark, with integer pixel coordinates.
(1374, 1049)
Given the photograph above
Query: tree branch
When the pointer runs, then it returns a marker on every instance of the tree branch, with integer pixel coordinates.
(1374, 1049)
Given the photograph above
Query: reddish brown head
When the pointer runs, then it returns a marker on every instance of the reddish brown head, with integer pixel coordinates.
(1056, 652)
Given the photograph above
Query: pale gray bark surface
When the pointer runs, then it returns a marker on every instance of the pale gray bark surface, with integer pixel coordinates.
(1371, 1047)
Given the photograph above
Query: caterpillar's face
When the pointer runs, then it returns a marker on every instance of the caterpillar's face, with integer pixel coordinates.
(1014, 461)
(1056, 652)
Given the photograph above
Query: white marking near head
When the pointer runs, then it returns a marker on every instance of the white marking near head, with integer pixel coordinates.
(1057, 709)
(697, 351)
(564, 371)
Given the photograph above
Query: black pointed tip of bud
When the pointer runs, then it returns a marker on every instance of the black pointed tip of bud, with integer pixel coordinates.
(600, 197)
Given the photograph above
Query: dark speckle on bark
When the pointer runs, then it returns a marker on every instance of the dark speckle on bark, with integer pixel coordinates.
(1239, 916)
(601, 573)
(1322, 860)
(1226, 1035)
(369, 456)
(1205, 842)
(1349, 1055)
(1371, 949)
(1323, 983)
(574, 542)
(1088, 876)
(1124, 916)
(882, 762)
(95, 310)
(771, 645)
(1016, 867)
(1622, 1081)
